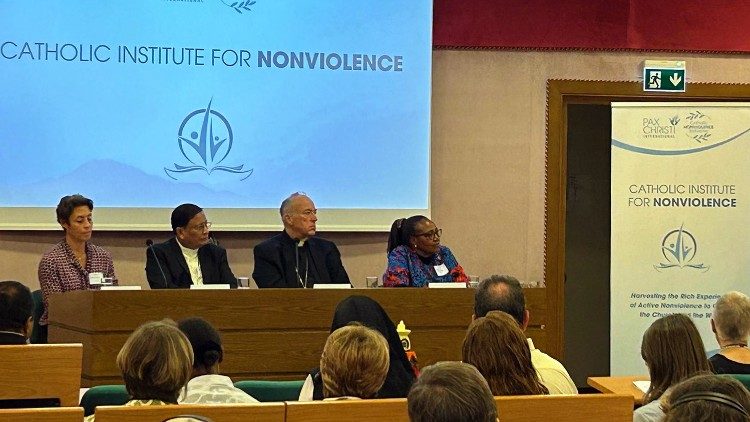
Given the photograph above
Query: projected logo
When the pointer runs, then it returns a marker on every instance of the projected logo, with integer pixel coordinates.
(239, 6)
(205, 139)
(679, 248)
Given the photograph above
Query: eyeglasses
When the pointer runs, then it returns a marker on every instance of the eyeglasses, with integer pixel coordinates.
(431, 234)
(203, 226)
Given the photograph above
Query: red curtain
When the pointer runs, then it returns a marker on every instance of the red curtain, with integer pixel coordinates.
(668, 25)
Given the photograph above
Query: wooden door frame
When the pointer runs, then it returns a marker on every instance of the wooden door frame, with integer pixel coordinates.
(560, 93)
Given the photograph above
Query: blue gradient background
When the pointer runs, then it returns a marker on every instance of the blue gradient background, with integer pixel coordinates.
(352, 139)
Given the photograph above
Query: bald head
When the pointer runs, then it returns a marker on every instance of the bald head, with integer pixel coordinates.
(501, 293)
(299, 215)
(731, 317)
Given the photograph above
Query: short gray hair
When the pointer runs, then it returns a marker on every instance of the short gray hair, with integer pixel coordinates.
(286, 203)
(732, 317)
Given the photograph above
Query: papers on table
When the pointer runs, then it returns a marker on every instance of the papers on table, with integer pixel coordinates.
(642, 385)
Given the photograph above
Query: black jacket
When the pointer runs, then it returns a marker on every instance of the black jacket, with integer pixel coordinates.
(276, 263)
(213, 260)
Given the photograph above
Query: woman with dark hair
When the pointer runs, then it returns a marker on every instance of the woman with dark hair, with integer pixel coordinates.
(368, 312)
(705, 398)
(497, 347)
(416, 257)
(206, 386)
(75, 262)
(673, 351)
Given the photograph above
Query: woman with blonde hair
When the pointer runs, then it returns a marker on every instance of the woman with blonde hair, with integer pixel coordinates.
(156, 362)
(496, 346)
(354, 363)
(673, 351)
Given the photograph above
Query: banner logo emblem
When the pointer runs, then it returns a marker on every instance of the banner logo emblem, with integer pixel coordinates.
(205, 139)
(679, 248)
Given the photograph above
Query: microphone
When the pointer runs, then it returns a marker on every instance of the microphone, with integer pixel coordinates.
(150, 246)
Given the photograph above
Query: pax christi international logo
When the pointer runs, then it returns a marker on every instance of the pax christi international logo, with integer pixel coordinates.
(205, 139)
(679, 249)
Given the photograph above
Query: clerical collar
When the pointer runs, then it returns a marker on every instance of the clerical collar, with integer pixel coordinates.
(192, 253)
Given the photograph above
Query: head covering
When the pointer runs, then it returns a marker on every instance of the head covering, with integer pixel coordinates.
(368, 312)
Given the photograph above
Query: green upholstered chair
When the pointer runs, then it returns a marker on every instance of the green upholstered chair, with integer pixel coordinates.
(267, 391)
(38, 336)
(743, 378)
(103, 395)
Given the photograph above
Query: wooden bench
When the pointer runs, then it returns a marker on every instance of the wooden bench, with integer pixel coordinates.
(41, 371)
(391, 410)
(262, 412)
(47, 414)
(588, 407)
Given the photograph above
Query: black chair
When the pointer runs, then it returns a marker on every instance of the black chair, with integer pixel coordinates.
(38, 333)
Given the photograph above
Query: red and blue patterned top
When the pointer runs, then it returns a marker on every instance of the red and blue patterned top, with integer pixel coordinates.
(407, 269)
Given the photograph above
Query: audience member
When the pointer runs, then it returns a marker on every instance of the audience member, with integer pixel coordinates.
(295, 257)
(451, 392)
(369, 313)
(708, 398)
(188, 258)
(206, 385)
(731, 325)
(354, 363)
(504, 293)
(498, 349)
(75, 261)
(16, 313)
(156, 362)
(673, 351)
(416, 257)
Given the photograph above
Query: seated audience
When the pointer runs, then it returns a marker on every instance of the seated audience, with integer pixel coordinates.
(416, 257)
(354, 363)
(708, 398)
(504, 293)
(16, 313)
(497, 348)
(156, 362)
(673, 351)
(368, 312)
(70, 263)
(188, 258)
(730, 323)
(451, 392)
(206, 386)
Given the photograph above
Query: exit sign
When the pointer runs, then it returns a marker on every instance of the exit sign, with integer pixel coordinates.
(663, 79)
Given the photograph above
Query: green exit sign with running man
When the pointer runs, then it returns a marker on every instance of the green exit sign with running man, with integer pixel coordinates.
(664, 76)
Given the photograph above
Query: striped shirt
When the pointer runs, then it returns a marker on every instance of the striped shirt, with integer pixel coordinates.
(60, 271)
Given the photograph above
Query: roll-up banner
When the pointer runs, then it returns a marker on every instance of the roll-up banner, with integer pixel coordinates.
(680, 213)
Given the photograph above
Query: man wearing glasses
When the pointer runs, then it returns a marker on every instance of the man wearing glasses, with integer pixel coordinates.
(189, 257)
(294, 258)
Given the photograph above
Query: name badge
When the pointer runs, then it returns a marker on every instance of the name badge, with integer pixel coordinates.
(96, 278)
(441, 270)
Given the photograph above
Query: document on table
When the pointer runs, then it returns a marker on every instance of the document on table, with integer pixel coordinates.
(642, 385)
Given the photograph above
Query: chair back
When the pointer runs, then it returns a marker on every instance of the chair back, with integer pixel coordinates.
(37, 333)
(46, 414)
(41, 371)
(561, 408)
(103, 395)
(743, 378)
(392, 410)
(268, 391)
(261, 412)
